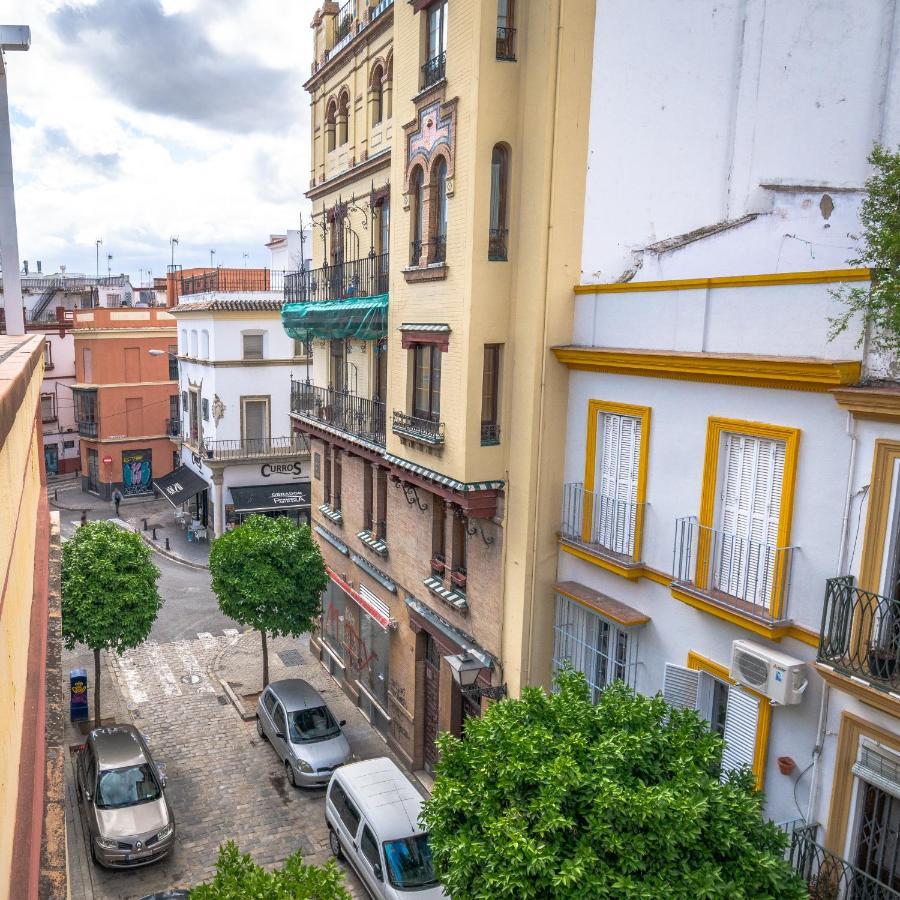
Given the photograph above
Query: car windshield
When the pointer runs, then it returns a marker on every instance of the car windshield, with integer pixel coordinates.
(126, 787)
(409, 862)
(309, 725)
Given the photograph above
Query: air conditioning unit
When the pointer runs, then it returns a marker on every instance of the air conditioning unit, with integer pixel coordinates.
(779, 677)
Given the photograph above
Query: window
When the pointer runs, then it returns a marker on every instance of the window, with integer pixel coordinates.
(418, 213)
(458, 549)
(326, 478)
(269, 702)
(68, 445)
(48, 407)
(368, 497)
(427, 382)
(253, 345)
(184, 342)
(280, 720)
(384, 226)
(174, 417)
(344, 807)
(614, 507)
(438, 520)
(877, 827)
(194, 345)
(338, 368)
(48, 355)
(173, 363)
(497, 235)
(381, 502)
(506, 30)
(490, 395)
(302, 348)
(439, 196)
(380, 374)
(255, 419)
(337, 476)
(204, 403)
(343, 115)
(376, 96)
(330, 121)
(204, 344)
(369, 847)
(87, 363)
(436, 46)
(196, 430)
(184, 401)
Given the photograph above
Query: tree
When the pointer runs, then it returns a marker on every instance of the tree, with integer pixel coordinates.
(269, 574)
(238, 878)
(878, 302)
(109, 595)
(552, 797)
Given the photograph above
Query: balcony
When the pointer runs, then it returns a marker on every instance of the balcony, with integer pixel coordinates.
(497, 244)
(415, 428)
(830, 877)
(433, 70)
(173, 428)
(232, 281)
(380, 7)
(356, 416)
(366, 277)
(344, 21)
(732, 573)
(86, 428)
(506, 44)
(860, 635)
(255, 448)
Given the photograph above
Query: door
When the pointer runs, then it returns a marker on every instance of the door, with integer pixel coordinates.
(281, 727)
(368, 861)
(432, 675)
(878, 835)
(51, 459)
(256, 425)
(93, 482)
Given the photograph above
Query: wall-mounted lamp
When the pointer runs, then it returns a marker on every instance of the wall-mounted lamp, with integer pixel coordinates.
(465, 671)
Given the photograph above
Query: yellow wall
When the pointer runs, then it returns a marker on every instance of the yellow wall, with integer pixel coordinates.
(20, 487)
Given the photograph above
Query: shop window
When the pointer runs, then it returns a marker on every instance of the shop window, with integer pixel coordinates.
(498, 232)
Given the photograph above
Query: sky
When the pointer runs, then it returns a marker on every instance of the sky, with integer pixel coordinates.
(137, 120)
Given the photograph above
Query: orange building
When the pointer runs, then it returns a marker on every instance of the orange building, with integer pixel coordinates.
(126, 399)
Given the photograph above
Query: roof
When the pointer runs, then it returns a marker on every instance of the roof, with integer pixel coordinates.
(392, 804)
(611, 609)
(295, 693)
(271, 301)
(119, 745)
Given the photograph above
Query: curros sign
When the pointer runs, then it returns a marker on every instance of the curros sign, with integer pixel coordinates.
(291, 468)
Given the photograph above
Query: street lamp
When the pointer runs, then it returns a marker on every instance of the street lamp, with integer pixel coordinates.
(97, 244)
(465, 671)
(212, 254)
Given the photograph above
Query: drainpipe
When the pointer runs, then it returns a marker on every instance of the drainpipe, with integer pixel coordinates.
(850, 430)
(817, 754)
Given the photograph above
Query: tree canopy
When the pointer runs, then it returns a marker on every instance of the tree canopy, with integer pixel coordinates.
(238, 877)
(552, 797)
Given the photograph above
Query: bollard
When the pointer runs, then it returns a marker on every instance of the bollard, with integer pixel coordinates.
(154, 533)
(167, 544)
(145, 524)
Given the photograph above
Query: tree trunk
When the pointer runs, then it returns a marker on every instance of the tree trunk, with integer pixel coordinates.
(265, 649)
(96, 689)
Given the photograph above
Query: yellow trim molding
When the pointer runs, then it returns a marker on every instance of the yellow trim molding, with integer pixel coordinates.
(632, 573)
(791, 373)
(871, 696)
(879, 403)
(886, 454)
(761, 747)
(852, 729)
(689, 284)
(772, 632)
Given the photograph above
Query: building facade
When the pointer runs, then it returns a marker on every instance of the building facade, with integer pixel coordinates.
(727, 533)
(125, 396)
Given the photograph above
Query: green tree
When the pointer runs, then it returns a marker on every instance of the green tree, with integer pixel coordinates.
(269, 574)
(878, 302)
(239, 878)
(109, 595)
(552, 797)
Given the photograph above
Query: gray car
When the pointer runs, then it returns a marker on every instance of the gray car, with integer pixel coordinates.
(121, 793)
(292, 715)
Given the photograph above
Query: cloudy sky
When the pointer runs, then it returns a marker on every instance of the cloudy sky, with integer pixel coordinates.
(135, 120)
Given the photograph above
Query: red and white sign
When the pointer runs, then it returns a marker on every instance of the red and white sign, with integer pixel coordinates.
(107, 460)
(375, 609)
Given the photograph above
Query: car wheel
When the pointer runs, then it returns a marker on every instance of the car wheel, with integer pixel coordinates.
(334, 842)
(259, 728)
(290, 773)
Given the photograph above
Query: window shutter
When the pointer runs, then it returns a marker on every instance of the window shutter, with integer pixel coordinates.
(680, 686)
(619, 464)
(741, 722)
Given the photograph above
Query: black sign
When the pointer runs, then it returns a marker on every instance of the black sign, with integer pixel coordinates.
(270, 497)
(267, 470)
(179, 486)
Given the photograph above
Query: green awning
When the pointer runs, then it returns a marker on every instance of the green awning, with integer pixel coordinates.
(364, 318)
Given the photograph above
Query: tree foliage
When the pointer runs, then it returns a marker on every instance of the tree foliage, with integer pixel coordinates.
(238, 877)
(878, 302)
(552, 797)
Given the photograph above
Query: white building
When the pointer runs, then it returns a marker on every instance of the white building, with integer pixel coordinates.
(723, 462)
(292, 251)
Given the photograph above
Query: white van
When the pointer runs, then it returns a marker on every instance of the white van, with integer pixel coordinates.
(372, 812)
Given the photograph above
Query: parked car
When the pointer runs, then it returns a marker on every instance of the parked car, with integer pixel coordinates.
(372, 811)
(293, 717)
(121, 792)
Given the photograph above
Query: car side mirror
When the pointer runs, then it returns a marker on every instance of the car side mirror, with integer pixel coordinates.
(163, 781)
(342, 723)
(378, 873)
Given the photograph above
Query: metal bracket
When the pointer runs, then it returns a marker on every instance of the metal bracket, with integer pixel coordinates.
(478, 528)
(494, 692)
(411, 494)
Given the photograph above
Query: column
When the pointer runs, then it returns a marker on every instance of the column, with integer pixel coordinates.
(218, 503)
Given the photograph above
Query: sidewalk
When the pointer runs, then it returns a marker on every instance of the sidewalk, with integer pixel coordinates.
(162, 517)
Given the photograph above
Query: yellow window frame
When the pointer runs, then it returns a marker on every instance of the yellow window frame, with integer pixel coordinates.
(764, 720)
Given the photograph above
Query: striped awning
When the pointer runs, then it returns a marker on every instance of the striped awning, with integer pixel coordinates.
(462, 486)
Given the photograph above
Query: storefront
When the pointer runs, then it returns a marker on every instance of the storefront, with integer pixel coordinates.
(186, 491)
(288, 500)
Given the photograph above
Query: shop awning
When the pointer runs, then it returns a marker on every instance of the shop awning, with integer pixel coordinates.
(270, 497)
(179, 486)
(364, 318)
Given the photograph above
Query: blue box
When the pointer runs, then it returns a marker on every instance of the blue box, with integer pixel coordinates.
(78, 695)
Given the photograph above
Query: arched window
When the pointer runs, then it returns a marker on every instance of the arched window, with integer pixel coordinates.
(330, 118)
(194, 343)
(418, 213)
(343, 114)
(499, 228)
(204, 344)
(376, 95)
(439, 196)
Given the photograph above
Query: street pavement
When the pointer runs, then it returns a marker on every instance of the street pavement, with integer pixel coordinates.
(224, 781)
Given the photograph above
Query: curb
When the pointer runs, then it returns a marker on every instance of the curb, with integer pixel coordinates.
(93, 507)
(236, 701)
(169, 555)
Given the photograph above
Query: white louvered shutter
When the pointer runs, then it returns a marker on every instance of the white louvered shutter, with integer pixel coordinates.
(680, 686)
(615, 509)
(741, 723)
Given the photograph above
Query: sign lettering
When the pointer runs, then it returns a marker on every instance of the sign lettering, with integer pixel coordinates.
(269, 469)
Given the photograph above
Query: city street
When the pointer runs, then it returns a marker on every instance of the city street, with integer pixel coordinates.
(224, 781)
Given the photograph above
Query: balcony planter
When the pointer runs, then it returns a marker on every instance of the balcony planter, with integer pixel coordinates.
(458, 578)
(786, 765)
(438, 565)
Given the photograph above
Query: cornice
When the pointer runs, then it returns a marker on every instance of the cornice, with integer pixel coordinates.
(366, 167)
(881, 403)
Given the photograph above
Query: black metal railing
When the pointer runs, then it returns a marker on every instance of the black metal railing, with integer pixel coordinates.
(87, 429)
(433, 70)
(173, 427)
(490, 434)
(354, 415)
(233, 281)
(828, 876)
(366, 277)
(426, 430)
(599, 522)
(861, 633)
(438, 249)
(415, 253)
(497, 244)
(344, 21)
(291, 445)
(506, 43)
(435, 252)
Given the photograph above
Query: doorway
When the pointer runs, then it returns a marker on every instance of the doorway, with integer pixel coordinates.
(432, 675)
(93, 476)
(878, 835)
(51, 459)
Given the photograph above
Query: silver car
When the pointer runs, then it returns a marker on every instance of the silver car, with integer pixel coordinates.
(292, 715)
(120, 791)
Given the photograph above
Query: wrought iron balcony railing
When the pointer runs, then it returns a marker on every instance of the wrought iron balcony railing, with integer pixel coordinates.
(354, 415)
(344, 21)
(497, 244)
(87, 429)
(433, 70)
(506, 44)
(173, 428)
(600, 523)
(243, 448)
(733, 572)
(233, 281)
(438, 248)
(830, 877)
(415, 253)
(861, 634)
(435, 251)
(425, 430)
(490, 434)
(366, 277)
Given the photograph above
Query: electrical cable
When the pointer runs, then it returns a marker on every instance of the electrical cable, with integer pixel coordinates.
(796, 782)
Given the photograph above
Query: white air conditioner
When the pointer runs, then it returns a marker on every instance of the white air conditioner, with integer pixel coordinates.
(779, 677)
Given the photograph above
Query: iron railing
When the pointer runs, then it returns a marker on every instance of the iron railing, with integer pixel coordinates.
(173, 427)
(860, 633)
(86, 429)
(506, 43)
(490, 434)
(426, 430)
(438, 248)
(734, 572)
(598, 522)
(497, 244)
(366, 277)
(433, 70)
(344, 21)
(435, 251)
(415, 253)
(233, 281)
(354, 415)
(241, 448)
(380, 7)
(828, 876)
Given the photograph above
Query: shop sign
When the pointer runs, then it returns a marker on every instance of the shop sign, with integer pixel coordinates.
(269, 469)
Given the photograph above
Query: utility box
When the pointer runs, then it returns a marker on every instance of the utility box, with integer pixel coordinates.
(78, 695)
